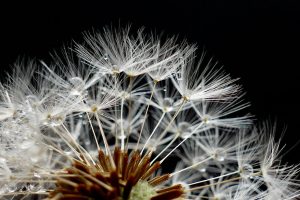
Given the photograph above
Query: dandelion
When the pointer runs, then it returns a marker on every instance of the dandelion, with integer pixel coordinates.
(132, 117)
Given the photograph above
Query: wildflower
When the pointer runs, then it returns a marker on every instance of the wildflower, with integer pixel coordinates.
(131, 117)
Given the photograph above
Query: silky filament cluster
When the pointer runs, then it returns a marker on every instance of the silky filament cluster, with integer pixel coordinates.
(127, 115)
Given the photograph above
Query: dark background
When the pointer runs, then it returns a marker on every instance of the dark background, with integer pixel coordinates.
(257, 41)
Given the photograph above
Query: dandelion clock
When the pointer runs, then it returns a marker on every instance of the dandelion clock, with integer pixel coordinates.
(129, 115)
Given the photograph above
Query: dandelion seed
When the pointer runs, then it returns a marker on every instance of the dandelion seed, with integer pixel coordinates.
(209, 84)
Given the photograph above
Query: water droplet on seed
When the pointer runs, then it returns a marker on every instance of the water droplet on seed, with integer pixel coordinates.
(246, 170)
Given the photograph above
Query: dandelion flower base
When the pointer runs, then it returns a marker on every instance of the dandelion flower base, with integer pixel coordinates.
(125, 177)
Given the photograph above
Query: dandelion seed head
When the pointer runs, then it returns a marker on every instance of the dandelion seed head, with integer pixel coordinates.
(132, 116)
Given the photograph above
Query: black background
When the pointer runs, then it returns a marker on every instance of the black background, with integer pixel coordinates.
(257, 41)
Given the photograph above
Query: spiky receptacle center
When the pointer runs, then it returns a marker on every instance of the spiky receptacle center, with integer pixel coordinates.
(128, 178)
(142, 190)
